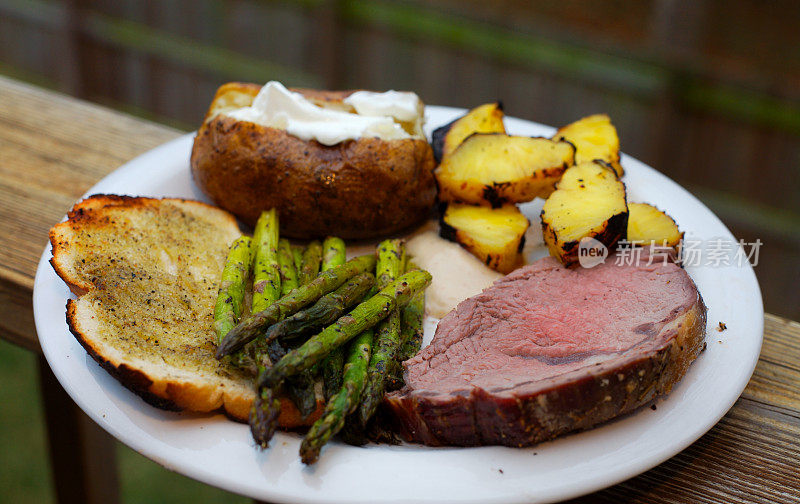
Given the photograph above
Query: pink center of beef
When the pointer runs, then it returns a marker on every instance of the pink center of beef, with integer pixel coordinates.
(545, 320)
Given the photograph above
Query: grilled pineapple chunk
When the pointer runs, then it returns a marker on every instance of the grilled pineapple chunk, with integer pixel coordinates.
(594, 137)
(495, 168)
(647, 225)
(589, 201)
(487, 118)
(493, 235)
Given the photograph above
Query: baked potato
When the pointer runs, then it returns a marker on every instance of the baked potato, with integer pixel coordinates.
(356, 189)
(493, 235)
(589, 202)
(486, 118)
(494, 169)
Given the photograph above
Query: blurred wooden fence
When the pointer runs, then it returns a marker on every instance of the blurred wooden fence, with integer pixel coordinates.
(708, 92)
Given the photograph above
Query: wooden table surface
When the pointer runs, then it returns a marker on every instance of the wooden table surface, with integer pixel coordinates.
(53, 148)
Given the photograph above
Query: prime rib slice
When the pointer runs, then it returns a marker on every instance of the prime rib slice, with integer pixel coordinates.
(549, 350)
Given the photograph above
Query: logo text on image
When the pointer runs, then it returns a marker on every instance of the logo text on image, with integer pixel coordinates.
(591, 252)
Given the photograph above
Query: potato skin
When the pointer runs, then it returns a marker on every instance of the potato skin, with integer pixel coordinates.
(501, 256)
(486, 118)
(612, 231)
(357, 189)
(608, 231)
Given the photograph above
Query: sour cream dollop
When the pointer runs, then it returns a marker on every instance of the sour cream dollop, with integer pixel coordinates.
(377, 115)
(404, 106)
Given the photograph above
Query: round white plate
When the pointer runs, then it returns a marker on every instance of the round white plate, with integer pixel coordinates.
(220, 452)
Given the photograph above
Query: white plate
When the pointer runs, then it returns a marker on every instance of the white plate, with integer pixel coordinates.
(219, 452)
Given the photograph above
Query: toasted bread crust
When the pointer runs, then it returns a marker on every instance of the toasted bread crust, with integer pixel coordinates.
(133, 379)
(85, 213)
(200, 383)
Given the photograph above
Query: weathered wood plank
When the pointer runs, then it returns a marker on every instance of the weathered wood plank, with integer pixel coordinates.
(52, 149)
(751, 455)
(777, 375)
(16, 321)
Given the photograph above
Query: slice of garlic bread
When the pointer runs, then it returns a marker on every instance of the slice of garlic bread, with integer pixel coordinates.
(146, 272)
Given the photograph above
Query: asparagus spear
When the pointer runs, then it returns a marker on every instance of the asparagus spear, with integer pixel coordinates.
(363, 316)
(333, 254)
(288, 270)
(394, 376)
(251, 327)
(275, 350)
(411, 332)
(266, 290)
(343, 403)
(300, 388)
(390, 262)
(266, 407)
(297, 253)
(302, 391)
(266, 275)
(264, 416)
(325, 311)
(352, 433)
(332, 373)
(333, 365)
(228, 308)
(411, 327)
(311, 263)
(387, 339)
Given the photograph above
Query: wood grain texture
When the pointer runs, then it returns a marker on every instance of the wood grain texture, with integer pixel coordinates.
(751, 455)
(53, 148)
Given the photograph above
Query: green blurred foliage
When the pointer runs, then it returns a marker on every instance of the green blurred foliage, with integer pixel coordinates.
(24, 469)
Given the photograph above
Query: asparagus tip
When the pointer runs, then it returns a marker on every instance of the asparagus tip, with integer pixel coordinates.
(231, 343)
(224, 348)
(264, 417)
(309, 455)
